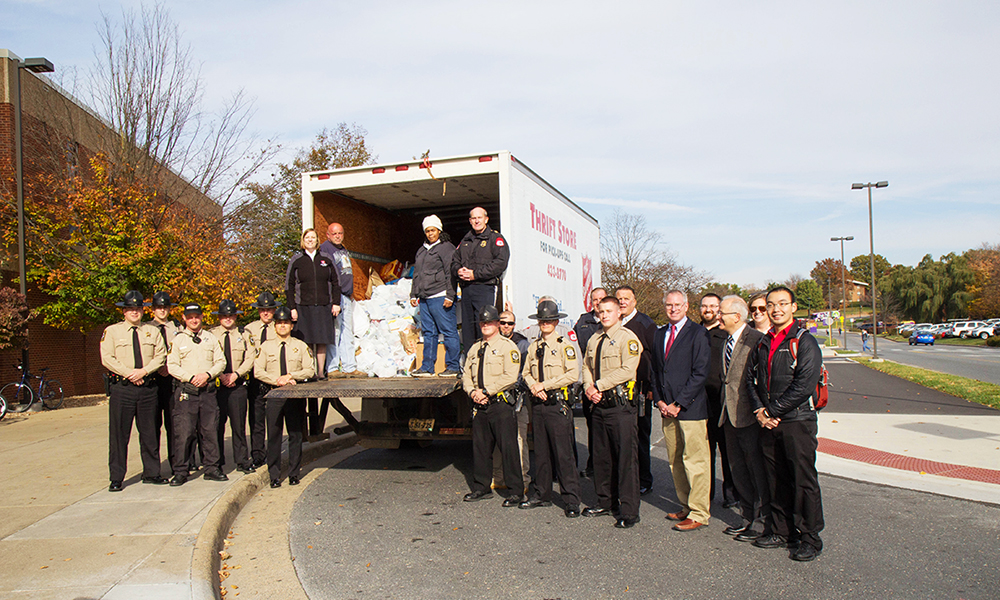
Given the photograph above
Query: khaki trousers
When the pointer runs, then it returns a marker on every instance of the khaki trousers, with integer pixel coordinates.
(688, 454)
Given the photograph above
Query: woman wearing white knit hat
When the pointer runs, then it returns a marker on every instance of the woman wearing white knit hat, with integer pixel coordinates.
(433, 291)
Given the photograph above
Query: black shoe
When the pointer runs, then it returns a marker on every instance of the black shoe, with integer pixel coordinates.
(734, 530)
(293, 480)
(256, 465)
(245, 469)
(275, 483)
(748, 536)
(476, 496)
(771, 541)
(572, 512)
(645, 490)
(805, 553)
(626, 523)
(116, 486)
(157, 480)
(534, 503)
(512, 501)
(178, 480)
(596, 511)
(215, 476)
(449, 373)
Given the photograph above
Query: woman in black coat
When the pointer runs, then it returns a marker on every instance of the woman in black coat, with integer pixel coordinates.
(312, 292)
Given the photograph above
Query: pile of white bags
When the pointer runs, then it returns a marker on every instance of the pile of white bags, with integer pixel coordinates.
(377, 324)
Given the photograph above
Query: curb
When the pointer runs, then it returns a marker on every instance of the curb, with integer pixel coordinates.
(205, 562)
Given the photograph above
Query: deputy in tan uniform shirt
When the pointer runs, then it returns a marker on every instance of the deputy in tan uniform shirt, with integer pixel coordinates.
(260, 331)
(551, 367)
(195, 360)
(492, 366)
(167, 328)
(609, 381)
(284, 360)
(132, 351)
(239, 352)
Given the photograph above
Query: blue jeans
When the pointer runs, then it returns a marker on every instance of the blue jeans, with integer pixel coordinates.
(342, 353)
(436, 319)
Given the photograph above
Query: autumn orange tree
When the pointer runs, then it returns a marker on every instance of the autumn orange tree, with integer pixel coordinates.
(94, 237)
(985, 287)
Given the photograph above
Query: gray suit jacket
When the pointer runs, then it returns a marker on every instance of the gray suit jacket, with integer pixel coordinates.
(735, 399)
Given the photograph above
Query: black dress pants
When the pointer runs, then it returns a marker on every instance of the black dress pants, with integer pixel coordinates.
(233, 408)
(616, 469)
(645, 430)
(474, 297)
(130, 403)
(749, 477)
(588, 416)
(717, 439)
(196, 420)
(164, 420)
(291, 412)
(495, 425)
(554, 441)
(790, 460)
(257, 414)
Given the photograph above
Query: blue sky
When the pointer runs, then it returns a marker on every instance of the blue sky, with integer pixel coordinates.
(729, 125)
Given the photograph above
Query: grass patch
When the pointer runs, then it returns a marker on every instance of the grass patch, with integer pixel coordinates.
(962, 387)
(961, 342)
(846, 352)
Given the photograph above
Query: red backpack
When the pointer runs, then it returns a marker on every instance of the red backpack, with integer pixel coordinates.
(822, 394)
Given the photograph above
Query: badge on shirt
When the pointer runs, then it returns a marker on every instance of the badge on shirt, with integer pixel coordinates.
(570, 353)
(515, 357)
(482, 244)
(633, 348)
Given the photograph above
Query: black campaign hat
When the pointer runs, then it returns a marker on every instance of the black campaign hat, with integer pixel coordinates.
(283, 313)
(227, 308)
(487, 314)
(162, 299)
(547, 311)
(265, 300)
(192, 308)
(133, 299)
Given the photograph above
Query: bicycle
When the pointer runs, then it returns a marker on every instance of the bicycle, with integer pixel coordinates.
(18, 396)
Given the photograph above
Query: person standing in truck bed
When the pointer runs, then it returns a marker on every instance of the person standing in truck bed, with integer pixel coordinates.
(433, 291)
(479, 261)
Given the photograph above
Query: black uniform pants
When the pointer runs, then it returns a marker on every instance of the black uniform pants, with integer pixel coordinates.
(257, 413)
(717, 439)
(645, 425)
(588, 416)
(195, 418)
(233, 407)
(747, 465)
(495, 426)
(129, 403)
(474, 297)
(616, 458)
(291, 412)
(164, 420)
(790, 461)
(554, 442)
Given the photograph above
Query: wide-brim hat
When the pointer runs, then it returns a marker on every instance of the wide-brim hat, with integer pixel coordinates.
(132, 299)
(162, 300)
(193, 308)
(283, 313)
(547, 311)
(265, 300)
(487, 314)
(227, 308)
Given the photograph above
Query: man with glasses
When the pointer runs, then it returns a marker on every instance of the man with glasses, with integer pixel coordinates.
(478, 263)
(709, 309)
(781, 391)
(681, 358)
(522, 410)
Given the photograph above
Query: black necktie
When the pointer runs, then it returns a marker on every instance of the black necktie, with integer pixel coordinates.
(282, 365)
(263, 334)
(729, 352)
(229, 355)
(540, 355)
(136, 348)
(482, 364)
(163, 332)
(597, 358)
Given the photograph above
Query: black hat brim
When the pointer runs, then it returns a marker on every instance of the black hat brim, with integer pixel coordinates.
(554, 317)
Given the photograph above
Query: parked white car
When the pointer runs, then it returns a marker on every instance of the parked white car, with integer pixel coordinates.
(982, 332)
(964, 329)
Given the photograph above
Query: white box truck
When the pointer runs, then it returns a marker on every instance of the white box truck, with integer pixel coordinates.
(554, 250)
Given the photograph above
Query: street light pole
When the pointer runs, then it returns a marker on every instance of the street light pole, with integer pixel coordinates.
(871, 257)
(843, 286)
(35, 65)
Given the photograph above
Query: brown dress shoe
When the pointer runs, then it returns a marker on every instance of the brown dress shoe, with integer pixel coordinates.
(678, 516)
(688, 525)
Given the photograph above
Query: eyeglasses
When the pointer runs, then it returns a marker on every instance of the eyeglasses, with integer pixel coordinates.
(510, 323)
(759, 309)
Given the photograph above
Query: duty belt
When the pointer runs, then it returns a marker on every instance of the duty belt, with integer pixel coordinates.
(193, 390)
(553, 397)
(239, 381)
(147, 381)
(621, 394)
(505, 397)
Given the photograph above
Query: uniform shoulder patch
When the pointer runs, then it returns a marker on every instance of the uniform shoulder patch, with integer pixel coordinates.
(570, 353)
(515, 357)
(633, 348)
(571, 335)
(500, 242)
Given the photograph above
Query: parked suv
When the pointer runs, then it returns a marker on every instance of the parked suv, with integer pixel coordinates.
(982, 332)
(964, 329)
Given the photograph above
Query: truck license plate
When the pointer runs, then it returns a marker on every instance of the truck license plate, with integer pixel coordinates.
(422, 425)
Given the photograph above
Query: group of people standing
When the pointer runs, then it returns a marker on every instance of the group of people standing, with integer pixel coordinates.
(740, 382)
(190, 381)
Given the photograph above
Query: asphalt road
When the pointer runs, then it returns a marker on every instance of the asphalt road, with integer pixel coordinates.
(982, 363)
(392, 524)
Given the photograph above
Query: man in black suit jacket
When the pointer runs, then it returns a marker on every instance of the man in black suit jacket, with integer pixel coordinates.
(681, 358)
(645, 329)
(710, 306)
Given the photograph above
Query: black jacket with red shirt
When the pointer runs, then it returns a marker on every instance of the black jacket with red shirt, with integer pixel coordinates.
(786, 390)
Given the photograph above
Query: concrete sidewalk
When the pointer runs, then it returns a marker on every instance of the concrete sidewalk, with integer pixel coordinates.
(64, 535)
